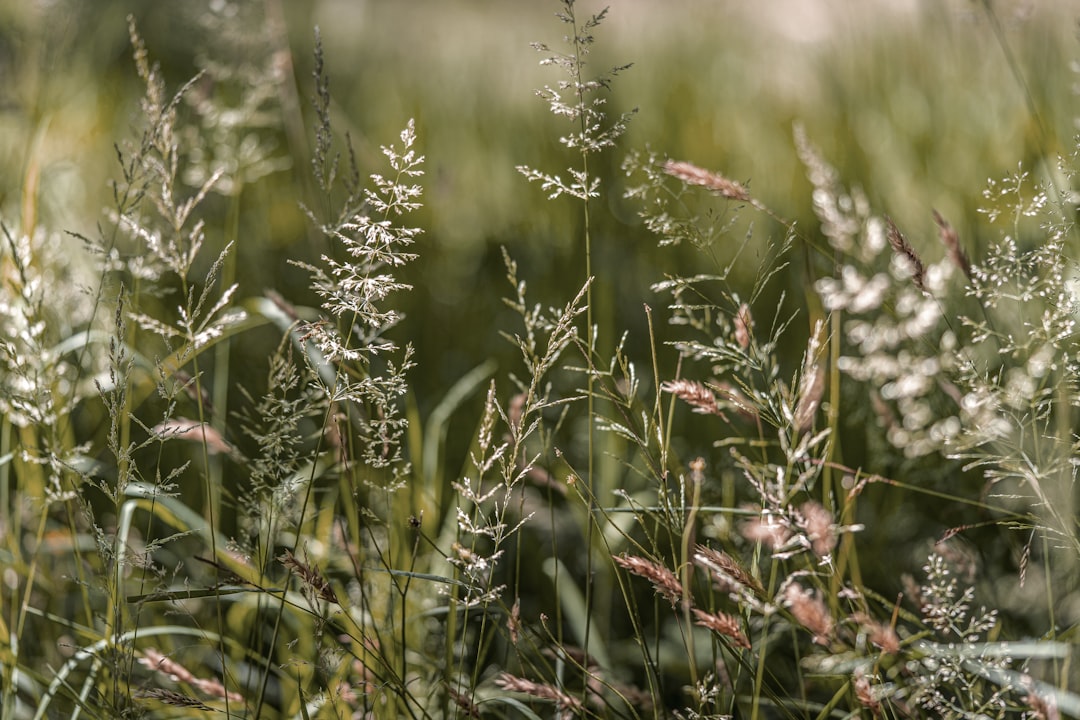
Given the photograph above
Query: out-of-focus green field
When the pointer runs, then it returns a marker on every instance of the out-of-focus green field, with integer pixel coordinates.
(916, 102)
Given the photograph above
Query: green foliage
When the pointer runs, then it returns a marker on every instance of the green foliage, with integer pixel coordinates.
(270, 446)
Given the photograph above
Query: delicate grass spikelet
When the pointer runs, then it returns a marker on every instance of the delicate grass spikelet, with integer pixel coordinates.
(769, 529)
(903, 249)
(696, 395)
(1039, 706)
(562, 700)
(195, 431)
(663, 580)
(513, 621)
(171, 697)
(725, 570)
(310, 576)
(951, 241)
(811, 383)
(744, 326)
(722, 624)
(884, 636)
(693, 175)
(155, 660)
(818, 524)
(810, 612)
(864, 692)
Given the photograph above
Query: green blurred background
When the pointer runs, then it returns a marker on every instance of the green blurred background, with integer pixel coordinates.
(913, 101)
(916, 102)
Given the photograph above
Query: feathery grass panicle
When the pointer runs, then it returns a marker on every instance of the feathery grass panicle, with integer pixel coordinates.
(744, 326)
(818, 525)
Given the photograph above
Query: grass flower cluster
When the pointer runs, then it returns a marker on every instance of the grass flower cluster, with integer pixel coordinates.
(184, 536)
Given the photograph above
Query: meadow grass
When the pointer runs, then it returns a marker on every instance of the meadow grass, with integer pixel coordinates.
(828, 472)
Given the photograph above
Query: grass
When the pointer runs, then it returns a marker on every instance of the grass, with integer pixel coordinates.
(826, 471)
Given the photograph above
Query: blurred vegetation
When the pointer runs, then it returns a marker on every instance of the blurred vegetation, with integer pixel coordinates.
(918, 103)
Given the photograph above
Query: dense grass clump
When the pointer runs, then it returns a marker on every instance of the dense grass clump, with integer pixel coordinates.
(821, 466)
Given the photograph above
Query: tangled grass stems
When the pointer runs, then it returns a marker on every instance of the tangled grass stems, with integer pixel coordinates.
(731, 564)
